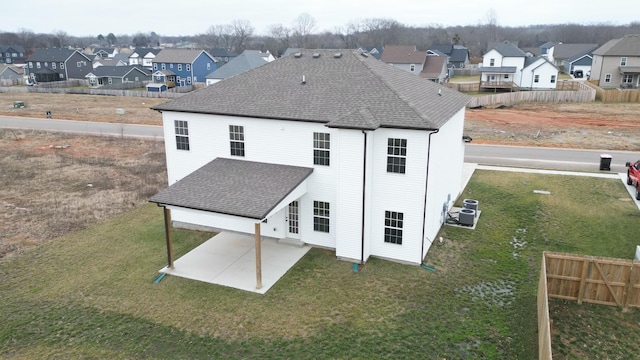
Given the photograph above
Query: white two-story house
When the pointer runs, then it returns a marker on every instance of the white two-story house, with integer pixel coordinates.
(505, 66)
(330, 147)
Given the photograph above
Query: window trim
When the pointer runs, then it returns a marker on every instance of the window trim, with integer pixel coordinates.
(321, 149)
(623, 61)
(607, 78)
(553, 79)
(236, 140)
(396, 155)
(536, 78)
(181, 129)
(393, 227)
(321, 216)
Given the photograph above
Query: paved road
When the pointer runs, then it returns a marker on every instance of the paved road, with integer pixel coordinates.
(517, 156)
(83, 127)
(547, 158)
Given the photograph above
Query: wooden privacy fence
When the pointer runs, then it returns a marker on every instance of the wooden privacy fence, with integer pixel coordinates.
(544, 323)
(596, 280)
(583, 94)
(92, 91)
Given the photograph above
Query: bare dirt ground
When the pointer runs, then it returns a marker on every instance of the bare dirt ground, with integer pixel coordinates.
(571, 125)
(56, 183)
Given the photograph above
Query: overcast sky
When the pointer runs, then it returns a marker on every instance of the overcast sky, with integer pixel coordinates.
(191, 17)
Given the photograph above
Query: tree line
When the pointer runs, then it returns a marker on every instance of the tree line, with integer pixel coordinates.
(239, 35)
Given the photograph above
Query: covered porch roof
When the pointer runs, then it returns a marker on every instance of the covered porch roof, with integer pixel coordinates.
(242, 188)
(498, 69)
(250, 190)
(629, 69)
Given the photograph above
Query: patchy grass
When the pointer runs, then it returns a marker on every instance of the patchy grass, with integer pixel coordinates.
(90, 294)
(464, 79)
(53, 184)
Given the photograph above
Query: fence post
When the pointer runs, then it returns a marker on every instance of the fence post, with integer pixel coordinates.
(583, 277)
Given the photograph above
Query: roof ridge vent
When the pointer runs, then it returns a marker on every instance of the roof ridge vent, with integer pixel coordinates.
(316, 55)
(337, 55)
(298, 55)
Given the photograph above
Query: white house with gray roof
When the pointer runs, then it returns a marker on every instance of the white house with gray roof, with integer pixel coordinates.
(506, 66)
(327, 147)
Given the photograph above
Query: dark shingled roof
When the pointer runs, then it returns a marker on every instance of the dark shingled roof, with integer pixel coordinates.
(335, 89)
(234, 187)
(628, 45)
(508, 49)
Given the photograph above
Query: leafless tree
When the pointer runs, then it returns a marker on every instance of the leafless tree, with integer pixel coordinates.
(302, 28)
(242, 33)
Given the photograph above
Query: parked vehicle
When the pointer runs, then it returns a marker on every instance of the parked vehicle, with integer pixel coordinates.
(578, 74)
(633, 176)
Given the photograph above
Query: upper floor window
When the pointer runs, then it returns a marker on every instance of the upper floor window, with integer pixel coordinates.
(607, 78)
(236, 135)
(412, 67)
(393, 227)
(553, 79)
(30, 64)
(79, 64)
(164, 66)
(208, 66)
(188, 67)
(179, 67)
(170, 66)
(182, 134)
(321, 216)
(38, 64)
(155, 66)
(53, 65)
(396, 155)
(321, 146)
(61, 65)
(623, 61)
(492, 62)
(188, 79)
(536, 78)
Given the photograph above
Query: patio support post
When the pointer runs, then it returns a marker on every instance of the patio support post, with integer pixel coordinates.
(258, 258)
(167, 231)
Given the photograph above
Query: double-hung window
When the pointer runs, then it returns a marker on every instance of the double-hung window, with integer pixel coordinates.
(553, 79)
(536, 78)
(321, 146)
(393, 227)
(321, 216)
(236, 137)
(623, 61)
(182, 134)
(396, 155)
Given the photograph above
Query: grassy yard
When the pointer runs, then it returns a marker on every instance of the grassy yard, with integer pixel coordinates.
(90, 294)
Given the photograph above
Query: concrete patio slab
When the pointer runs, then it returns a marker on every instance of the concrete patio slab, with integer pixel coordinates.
(229, 259)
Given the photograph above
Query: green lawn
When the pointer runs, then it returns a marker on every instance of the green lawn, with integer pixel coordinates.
(90, 294)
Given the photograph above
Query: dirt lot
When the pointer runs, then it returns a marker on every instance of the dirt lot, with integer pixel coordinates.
(578, 125)
(56, 183)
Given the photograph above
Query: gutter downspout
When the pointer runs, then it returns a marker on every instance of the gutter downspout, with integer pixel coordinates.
(426, 190)
(364, 183)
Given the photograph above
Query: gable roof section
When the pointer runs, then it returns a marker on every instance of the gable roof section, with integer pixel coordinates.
(459, 55)
(508, 49)
(178, 56)
(234, 187)
(566, 51)
(116, 71)
(433, 66)
(402, 54)
(54, 54)
(628, 45)
(239, 64)
(443, 48)
(334, 89)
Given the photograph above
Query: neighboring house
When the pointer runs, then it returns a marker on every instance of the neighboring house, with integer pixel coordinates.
(9, 72)
(56, 64)
(404, 57)
(563, 52)
(165, 77)
(143, 57)
(188, 66)
(223, 56)
(243, 62)
(506, 66)
(580, 62)
(267, 56)
(374, 51)
(108, 75)
(435, 68)
(617, 63)
(105, 52)
(12, 54)
(457, 55)
(342, 152)
(114, 61)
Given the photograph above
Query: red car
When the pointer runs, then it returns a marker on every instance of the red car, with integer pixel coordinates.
(633, 176)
